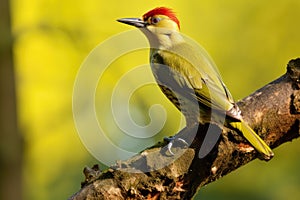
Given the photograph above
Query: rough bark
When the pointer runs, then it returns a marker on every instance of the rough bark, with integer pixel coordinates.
(272, 111)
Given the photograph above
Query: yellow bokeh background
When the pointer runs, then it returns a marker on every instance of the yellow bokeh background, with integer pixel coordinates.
(250, 41)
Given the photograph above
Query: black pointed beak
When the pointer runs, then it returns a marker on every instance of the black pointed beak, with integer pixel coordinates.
(139, 23)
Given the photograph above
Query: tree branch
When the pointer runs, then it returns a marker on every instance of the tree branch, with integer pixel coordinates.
(272, 111)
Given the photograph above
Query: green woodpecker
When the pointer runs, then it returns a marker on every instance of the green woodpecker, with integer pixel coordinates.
(190, 81)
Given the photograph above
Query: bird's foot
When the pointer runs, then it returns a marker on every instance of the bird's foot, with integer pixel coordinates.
(172, 140)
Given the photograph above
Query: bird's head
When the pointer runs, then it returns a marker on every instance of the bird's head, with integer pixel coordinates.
(160, 25)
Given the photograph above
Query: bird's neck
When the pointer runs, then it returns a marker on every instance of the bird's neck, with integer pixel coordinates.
(163, 39)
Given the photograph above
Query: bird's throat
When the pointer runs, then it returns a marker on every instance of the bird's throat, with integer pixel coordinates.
(163, 38)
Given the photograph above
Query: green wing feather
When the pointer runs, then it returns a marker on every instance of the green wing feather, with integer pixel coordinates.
(199, 74)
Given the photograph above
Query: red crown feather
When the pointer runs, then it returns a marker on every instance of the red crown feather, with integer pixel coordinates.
(162, 11)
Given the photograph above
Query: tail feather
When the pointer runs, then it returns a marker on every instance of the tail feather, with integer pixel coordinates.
(254, 139)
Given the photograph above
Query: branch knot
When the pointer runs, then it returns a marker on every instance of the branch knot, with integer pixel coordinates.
(293, 70)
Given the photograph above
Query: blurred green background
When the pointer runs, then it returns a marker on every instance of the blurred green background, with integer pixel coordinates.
(251, 42)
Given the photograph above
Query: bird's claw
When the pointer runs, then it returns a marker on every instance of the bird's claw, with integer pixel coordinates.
(172, 140)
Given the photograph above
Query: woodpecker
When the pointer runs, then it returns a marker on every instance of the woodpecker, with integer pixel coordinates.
(189, 80)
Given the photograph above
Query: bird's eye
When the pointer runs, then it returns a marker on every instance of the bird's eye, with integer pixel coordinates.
(155, 20)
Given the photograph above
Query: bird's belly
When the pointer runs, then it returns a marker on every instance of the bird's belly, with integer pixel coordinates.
(189, 107)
